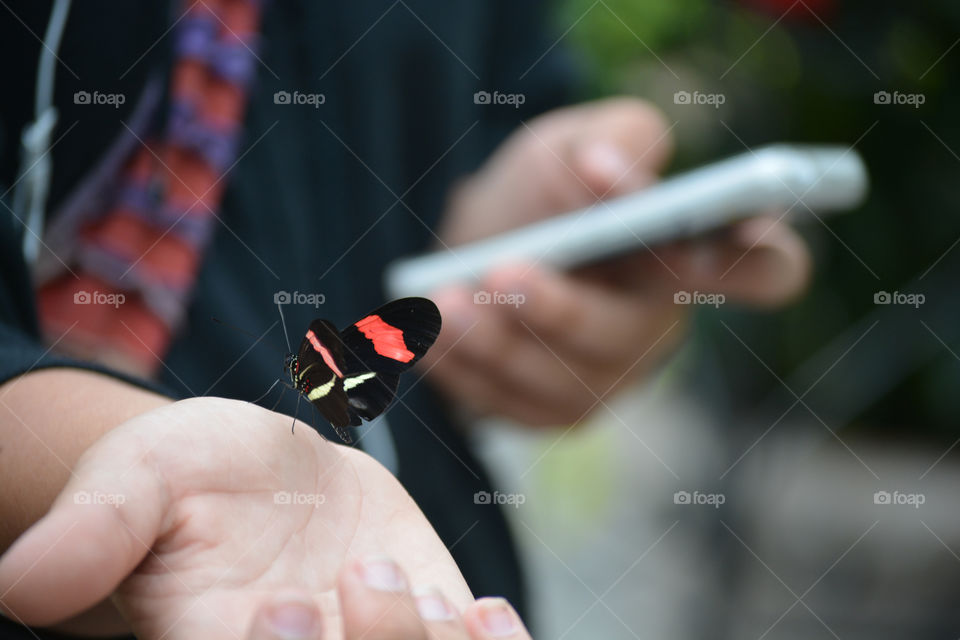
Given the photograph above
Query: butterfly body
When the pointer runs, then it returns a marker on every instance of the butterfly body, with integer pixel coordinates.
(352, 375)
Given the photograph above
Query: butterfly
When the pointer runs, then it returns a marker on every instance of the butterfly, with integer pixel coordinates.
(352, 375)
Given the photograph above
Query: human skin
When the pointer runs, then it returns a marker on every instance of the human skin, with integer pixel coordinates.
(174, 516)
(199, 476)
(580, 337)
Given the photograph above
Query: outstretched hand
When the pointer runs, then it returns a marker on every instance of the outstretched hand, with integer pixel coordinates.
(206, 517)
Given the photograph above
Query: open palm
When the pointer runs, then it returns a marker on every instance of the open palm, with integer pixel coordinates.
(192, 514)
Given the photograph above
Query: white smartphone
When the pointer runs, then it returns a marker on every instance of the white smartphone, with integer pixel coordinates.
(795, 178)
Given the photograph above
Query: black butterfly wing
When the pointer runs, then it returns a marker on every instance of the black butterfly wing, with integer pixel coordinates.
(369, 394)
(321, 334)
(320, 372)
(382, 345)
(392, 338)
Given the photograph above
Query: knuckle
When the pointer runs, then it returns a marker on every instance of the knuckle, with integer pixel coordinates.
(637, 111)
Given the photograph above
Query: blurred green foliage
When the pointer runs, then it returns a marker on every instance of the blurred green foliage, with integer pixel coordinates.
(609, 33)
(809, 74)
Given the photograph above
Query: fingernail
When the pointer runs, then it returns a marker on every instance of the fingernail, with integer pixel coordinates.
(498, 618)
(606, 159)
(432, 605)
(293, 618)
(383, 574)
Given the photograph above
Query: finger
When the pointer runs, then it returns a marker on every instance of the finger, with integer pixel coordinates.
(553, 394)
(585, 319)
(621, 146)
(761, 261)
(480, 393)
(470, 325)
(90, 540)
(292, 615)
(440, 618)
(569, 384)
(494, 618)
(595, 150)
(376, 602)
(514, 362)
(571, 352)
(483, 340)
(392, 509)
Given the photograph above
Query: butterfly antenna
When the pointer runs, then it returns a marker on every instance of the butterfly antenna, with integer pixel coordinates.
(283, 323)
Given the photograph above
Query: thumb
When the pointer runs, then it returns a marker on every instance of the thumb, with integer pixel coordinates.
(621, 146)
(98, 530)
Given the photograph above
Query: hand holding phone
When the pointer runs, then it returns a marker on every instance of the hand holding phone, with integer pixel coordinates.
(800, 179)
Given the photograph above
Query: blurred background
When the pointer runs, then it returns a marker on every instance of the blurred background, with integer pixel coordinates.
(791, 474)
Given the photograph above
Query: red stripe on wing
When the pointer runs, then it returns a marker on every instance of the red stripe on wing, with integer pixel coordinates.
(324, 352)
(387, 340)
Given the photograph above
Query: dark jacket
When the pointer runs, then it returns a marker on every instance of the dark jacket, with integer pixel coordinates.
(312, 205)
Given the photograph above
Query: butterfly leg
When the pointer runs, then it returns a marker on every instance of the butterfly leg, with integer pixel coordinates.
(296, 412)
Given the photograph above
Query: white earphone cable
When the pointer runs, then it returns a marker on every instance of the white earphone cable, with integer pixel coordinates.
(36, 165)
